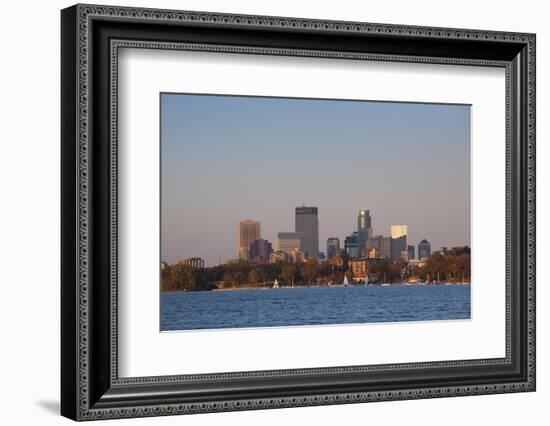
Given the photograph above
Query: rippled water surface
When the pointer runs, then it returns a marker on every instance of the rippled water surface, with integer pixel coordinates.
(313, 306)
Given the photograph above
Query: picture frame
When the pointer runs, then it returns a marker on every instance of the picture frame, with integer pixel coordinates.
(90, 384)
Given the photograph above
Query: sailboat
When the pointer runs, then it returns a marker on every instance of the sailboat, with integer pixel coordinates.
(346, 282)
(276, 284)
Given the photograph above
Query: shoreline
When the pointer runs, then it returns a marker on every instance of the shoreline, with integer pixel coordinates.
(318, 286)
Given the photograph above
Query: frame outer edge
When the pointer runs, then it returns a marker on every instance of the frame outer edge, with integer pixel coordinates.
(69, 221)
(83, 12)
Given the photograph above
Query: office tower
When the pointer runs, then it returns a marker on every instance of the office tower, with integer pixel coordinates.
(290, 241)
(364, 229)
(398, 231)
(379, 247)
(260, 250)
(333, 247)
(385, 247)
(364, 223)
(424, 249)
(351, 245)
(306, 221)
(398, 241)
(248, 232)
(410, 253)
(195, 262)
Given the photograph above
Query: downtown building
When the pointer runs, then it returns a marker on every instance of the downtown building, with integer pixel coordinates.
(424, 249)
(289, 241)
(351, 245)
(364, 229)
(356, 243)
(248, 231)
(260, 251)
(410, 253)
(279, 257)
(399, 250)
(359, 268)
(307, 223)
(333, 247)
(195, 262)
(378, 247)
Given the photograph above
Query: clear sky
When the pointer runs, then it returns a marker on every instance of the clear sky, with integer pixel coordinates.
(230, 158)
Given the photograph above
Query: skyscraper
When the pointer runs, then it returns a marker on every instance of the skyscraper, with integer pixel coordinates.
(248, 232)
(364, 229)
(351, 245)
(424, 249)
(333, 247)
(398, 241)
(290, 241)
(381, 246)
(260, 250)
(364, 222)
(410, 252)
(306, 221)
(398, 231)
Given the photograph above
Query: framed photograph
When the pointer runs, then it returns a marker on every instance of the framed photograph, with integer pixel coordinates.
(263, 212)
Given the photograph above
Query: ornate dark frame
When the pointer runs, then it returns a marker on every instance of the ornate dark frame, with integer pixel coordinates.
(91, 37)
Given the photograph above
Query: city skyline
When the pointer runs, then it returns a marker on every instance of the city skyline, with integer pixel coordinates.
(228, 159)
(294, 240)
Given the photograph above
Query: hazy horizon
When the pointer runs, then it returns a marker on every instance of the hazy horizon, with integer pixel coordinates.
(225, 159)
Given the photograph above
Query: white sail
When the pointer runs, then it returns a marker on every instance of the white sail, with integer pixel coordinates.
(346, 280)
(276, 284)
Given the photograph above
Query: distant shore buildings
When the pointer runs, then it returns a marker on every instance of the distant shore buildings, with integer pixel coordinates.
(361, 246)
(333, 247)
(260, 251)
(195, 262)
(303, 242)
(296, 245)
(398, 235)
(306, 221)
(424, 249)
(248, 232)
(290, 241)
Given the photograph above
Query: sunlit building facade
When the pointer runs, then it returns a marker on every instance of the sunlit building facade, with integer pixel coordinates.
(359, 268)
(398, 235)
(248, 232)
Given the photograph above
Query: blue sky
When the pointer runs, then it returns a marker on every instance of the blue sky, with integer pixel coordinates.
(231, 158)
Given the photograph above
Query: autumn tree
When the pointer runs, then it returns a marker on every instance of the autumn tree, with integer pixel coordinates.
(310, 269)
(289, 272)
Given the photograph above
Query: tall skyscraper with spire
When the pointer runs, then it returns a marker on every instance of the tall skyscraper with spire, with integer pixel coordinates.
(364, 222)
(306, 221)
(364, 230)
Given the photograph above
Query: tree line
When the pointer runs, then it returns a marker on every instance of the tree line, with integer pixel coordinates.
(242, 274)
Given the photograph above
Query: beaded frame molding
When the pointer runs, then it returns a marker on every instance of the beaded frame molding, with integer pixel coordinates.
(91, 38)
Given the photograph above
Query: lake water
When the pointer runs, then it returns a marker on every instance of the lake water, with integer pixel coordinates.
(313, 306)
